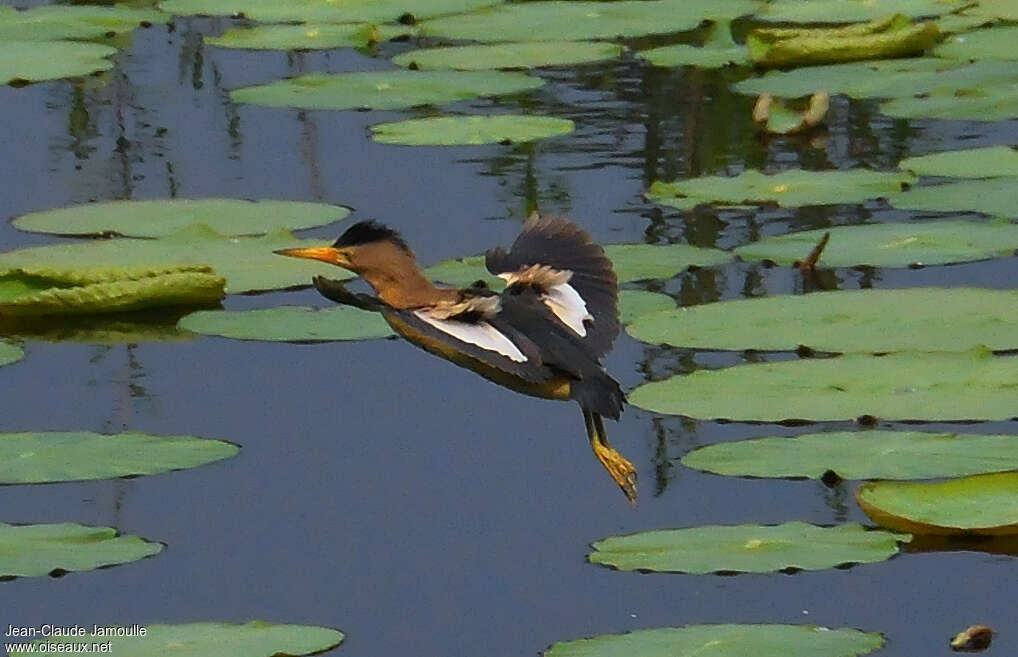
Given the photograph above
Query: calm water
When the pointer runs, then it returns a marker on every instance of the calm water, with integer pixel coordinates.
(385, 492)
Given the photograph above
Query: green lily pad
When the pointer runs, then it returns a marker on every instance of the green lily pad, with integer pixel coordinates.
(289, 324)
(725, 641)
(165, 217)
(990, 43)
(719, 49)
(994, 196)
(51, 60)
(901, 386)
(470, 130)
(980, 504)
(322, 11)
(986, 162)
(790, 188)
(892, 245)
(955, 23)
(849, 11)
(10, 353)
(746, 548)
(252, 639)
(866, 321)
(860, 455)
(41, 457)
(384, 89)
(33, 292)
(1002, 9)
(315, 36)
(52, 22)
(247, 263)
(508, 55)
(994, 101)
(634, 304)
(37, 550)
(578, 20)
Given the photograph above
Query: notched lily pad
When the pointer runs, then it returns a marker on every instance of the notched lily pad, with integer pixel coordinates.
(508, 55)
(746, 548)
(318, 36)
(289, 324)
(991, 43)
(849, 11)
(384, 89)
(252, 639)
(53, 22)
(718, 50)
(10, 353)
(980, 504)
(634, 304)
(988, 162)
(470, 130)
(725, 641)
(32, 61)
(991, 101)
(37, 550)
(993, 196)
(860, 455)
(323, 11)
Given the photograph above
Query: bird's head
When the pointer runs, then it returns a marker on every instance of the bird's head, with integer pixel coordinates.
(365, 247)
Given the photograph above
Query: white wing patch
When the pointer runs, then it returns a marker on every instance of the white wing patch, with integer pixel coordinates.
(481, 334)
(568, 306)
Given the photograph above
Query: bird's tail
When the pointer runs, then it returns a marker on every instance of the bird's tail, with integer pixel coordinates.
(599, 393)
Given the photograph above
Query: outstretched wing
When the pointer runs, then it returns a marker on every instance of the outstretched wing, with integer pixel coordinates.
(576, 279)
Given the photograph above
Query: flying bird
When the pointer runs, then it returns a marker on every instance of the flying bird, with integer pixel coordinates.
(544, 335)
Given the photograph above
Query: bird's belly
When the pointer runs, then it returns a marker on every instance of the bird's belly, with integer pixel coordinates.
(554, 388)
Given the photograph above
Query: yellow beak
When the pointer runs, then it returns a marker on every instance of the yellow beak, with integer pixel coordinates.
(328, 254)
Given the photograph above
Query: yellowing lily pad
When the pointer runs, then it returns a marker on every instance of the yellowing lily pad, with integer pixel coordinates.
(37, 550)
(165, 217)
(787, 189)
(52, 22)
(980, 504)
(867, 321)
(901, 386)
(51, 60)
(384, 89)
(508, 55)
(860, 455)
(994, 196)
(322, 11)
(317, 36)
(470, 130)
(289, 324)
(746, 548)
(990, 43)
(849, 11)
(252, 639)
(988, 162)
(41, 457)
(10, 353)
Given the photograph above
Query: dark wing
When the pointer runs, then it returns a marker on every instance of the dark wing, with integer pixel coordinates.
(563, 246)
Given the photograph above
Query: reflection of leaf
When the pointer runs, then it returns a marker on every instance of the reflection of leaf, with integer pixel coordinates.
(289, 324)
(307, 37)
(508, 55)
(470, 130)
(36, 550)
(51, 60)
(746, 548)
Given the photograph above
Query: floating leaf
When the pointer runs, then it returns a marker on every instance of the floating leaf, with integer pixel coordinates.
(36, 550)
(985, 162)
(52, 22)
(470, 130)
(725, 641)
(860, 455)
(637, 303)
(901, 386)
(51, 60)
(323, 11)
(252, 639)
(40, 457)
(508, 55)
(892, 245)
(576, 20)
(1002, 9)
(318, 36)
(247, 263)
(993, 101)
(991, 43)
(788, 189)
(994, 196)
(980, 504)
(746, 548)
(10, 353)
(719, 49)
(145, 326)
(384, 89)
(463, 272)
(849, 11)
(867, 321)
(165, 217)
(289, 324)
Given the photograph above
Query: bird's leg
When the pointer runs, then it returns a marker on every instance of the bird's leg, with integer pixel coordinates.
(620, 469)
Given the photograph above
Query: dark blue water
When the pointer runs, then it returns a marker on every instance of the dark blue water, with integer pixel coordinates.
(385, 492)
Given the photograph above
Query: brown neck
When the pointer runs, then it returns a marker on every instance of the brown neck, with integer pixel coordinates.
(398, 281)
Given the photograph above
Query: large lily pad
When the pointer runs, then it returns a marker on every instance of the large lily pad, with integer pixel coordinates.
(165, 217)
(634, 304)
(384, 89)
(892, 245)
(991, 43)
(247, 263)
(860, 455)
(790, 188)
(980, 504)
(994, 196)
(51, 60)
(470, 130)
(317, 36)
(867, 321)
(51, 22)
(289, 324)
(719, 49)
(576, 20)
(1002, 9)
(993, 101)
(40, 457)
(323, 11)
(746, 548)
(508, 55)
(252, 639)
(849, 11)
(36, 550)
(10, 353)
(988, 162)
(902, 386)
(725, 641)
